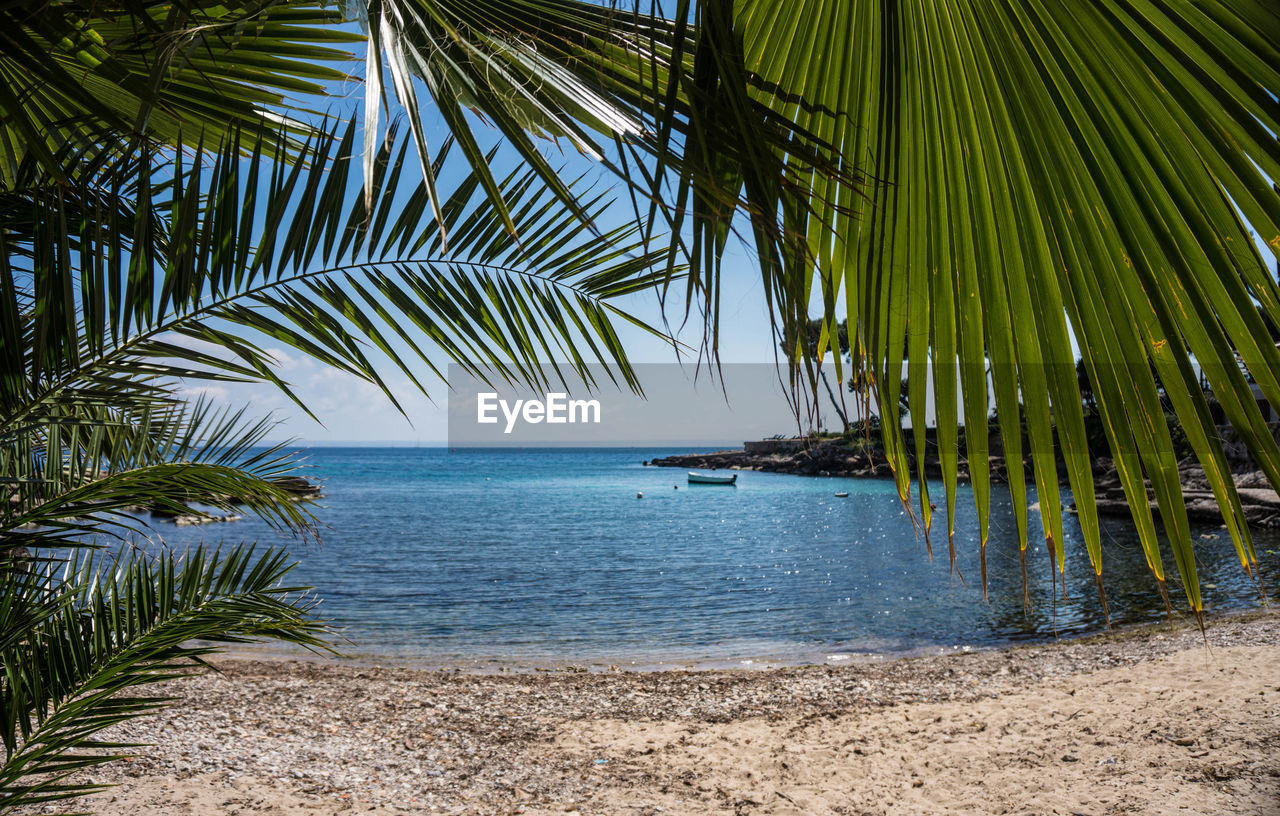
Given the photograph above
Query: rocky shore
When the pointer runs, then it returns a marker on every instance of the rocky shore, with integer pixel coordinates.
(1156, 719)
(297, 488)
(1260, 501)
(804, 458)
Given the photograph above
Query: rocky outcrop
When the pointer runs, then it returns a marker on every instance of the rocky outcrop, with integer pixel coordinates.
(808, 458)
(1260, 502)
(189, 516)
(192, 519)
(298, 487)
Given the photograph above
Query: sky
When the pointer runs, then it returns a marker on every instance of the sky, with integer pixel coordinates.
(349, 410)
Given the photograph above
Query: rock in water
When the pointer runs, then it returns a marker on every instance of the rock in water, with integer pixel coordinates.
(298, 487)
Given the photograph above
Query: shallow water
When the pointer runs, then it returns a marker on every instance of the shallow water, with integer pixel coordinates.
(510, 556)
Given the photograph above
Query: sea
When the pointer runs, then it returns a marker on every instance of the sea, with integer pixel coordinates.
(532, 558)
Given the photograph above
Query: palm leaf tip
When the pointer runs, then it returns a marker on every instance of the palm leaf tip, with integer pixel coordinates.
(118, 626)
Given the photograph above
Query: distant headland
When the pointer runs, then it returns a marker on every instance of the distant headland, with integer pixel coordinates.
(856, 457)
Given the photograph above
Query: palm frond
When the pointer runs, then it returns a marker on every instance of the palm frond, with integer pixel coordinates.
(79, 467)
(98, 76)
(117, 627)
(290, 253)
(664, 103)
(1044, 172)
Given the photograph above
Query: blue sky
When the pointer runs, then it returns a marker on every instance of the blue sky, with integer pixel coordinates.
(352, 410)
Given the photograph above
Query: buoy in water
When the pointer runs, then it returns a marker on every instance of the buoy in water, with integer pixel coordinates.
(639, 495)
(675, 487)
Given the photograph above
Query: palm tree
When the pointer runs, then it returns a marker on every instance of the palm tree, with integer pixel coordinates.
(91, 425)
(127, 252)
(1028, 175)
(965, 179)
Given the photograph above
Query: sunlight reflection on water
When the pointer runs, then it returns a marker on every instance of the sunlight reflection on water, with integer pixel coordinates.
(547, 555)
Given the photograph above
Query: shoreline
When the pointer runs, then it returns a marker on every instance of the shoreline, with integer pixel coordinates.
(1260, 502)
(809, 656)
(1146, 719)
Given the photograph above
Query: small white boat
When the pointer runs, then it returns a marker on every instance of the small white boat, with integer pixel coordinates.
(707, 478)
(842, 495)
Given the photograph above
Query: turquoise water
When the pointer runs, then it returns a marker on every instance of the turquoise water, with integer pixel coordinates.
(548, 556)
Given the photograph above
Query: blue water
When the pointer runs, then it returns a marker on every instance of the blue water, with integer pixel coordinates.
(547, 556)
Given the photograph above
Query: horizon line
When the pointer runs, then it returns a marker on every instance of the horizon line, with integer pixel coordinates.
(474, 444)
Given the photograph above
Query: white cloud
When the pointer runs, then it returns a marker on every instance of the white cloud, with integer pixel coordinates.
(217, 393)
(349, 408)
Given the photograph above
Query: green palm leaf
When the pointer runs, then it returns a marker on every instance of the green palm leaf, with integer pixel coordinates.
(98, 75)
(109, 628)
(662, 103)
(250, 247)
(82, 466)
(1045, 171)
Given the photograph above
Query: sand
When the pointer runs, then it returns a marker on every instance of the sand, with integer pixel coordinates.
(1147, 721)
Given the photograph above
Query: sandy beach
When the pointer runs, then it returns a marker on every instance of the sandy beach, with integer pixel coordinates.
(1150, 720)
